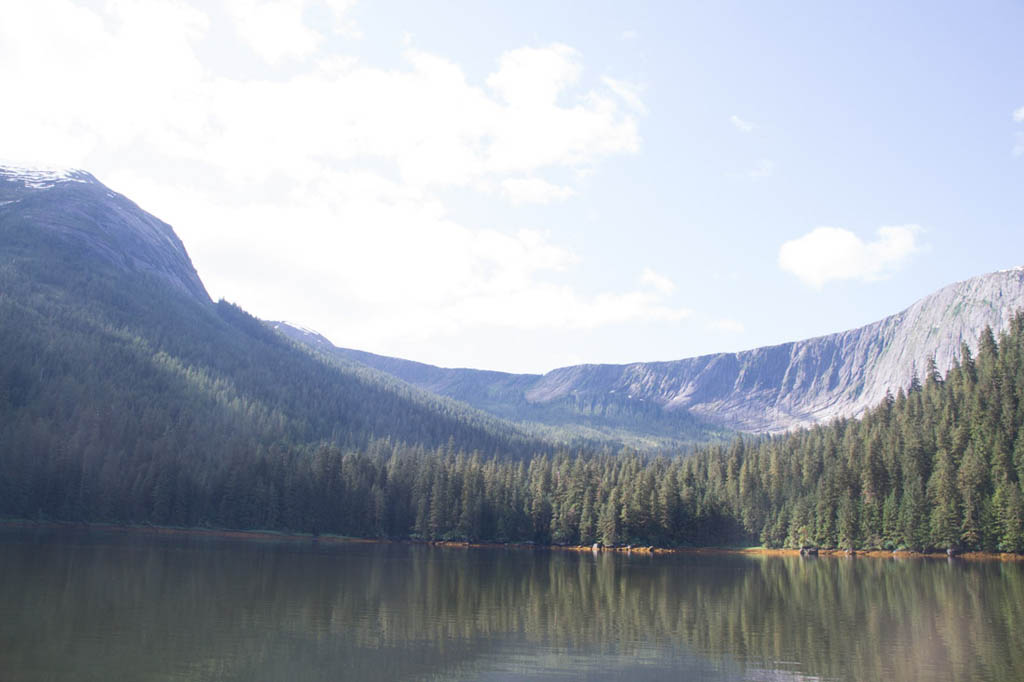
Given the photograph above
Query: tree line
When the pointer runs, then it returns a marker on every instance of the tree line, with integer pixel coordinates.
(938, 465)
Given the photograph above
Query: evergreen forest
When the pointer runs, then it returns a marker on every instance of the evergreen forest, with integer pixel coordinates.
(938, 465)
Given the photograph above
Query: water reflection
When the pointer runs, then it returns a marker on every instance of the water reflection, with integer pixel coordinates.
(102, 606)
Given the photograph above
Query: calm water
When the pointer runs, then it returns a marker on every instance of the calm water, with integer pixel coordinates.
(105, 606)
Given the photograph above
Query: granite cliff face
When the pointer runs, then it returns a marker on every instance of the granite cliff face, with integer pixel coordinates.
(807, 382)
(768, 389)
(73, 206)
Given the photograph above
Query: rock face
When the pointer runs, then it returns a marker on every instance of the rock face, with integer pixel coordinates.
(770, 389)
(73, 206)
(807, 382)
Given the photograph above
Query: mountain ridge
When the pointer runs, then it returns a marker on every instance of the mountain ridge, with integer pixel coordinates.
(767, 389)
(95, 218)
(51, 215)
(110, 337)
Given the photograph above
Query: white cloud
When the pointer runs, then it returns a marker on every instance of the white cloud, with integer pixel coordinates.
(830, 253)
(1018, 115)
(343, 24)
(317, 193)
(86, 81)
(629, 34)
(531, 77)
(274, 29)
(629, 92)
(277, 31)
(408, 274)
(740, 124)
(726, 325)
(765, 168)
(550, 306)
(657, 281)
(147, 91)
(534, 191)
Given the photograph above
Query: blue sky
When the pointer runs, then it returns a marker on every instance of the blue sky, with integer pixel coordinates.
(526, 185)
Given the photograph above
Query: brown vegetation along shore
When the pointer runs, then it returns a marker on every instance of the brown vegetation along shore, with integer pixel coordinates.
(628, 549)
(840, 553)
(886, 554)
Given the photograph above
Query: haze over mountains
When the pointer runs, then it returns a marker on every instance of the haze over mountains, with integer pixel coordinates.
(111, 342)
(769, 389)
(70, 242)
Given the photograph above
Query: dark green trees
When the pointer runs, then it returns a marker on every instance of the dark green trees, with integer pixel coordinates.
(151, 438)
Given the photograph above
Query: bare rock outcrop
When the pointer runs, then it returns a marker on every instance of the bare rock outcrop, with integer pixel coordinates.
(777, 388)
(769, 389)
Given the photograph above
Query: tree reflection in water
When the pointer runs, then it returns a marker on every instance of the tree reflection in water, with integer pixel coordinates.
(101, 606)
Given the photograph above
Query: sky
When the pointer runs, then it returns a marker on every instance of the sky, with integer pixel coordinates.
(526, 185)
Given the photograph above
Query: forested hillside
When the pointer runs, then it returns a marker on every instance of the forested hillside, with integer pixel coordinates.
(604, 416)
(121, 380)
(937, 466)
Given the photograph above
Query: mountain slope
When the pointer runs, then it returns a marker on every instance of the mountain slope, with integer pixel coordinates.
(768, 389)
(112, 345)
(72, 208)
(610, 416)
(814, 380)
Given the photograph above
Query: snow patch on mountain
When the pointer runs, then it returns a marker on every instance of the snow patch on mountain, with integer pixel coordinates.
(41, 177)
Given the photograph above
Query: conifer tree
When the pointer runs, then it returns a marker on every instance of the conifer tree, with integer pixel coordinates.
(847, 522)
(608, 520)
(1009, 513)
(587, 521)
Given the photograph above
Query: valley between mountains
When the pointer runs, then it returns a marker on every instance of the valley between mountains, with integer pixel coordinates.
(771, 389)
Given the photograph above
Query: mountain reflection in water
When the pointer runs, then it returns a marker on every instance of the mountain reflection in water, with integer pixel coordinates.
(98, 606)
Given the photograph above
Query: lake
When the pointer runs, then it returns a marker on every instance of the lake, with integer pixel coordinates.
(105, 605)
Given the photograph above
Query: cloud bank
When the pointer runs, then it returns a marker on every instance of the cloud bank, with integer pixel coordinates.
(827, 254)
(311, 185)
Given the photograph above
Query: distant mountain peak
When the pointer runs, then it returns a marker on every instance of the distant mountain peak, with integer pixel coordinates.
(70, 206)
(42, 177)
(309, 337)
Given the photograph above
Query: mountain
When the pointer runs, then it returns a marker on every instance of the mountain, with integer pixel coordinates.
(769, 389)
(71, 208)
(79, 259)
(114, 349)
(597, 416)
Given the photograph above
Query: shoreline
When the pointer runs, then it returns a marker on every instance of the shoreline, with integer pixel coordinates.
(278, 536)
